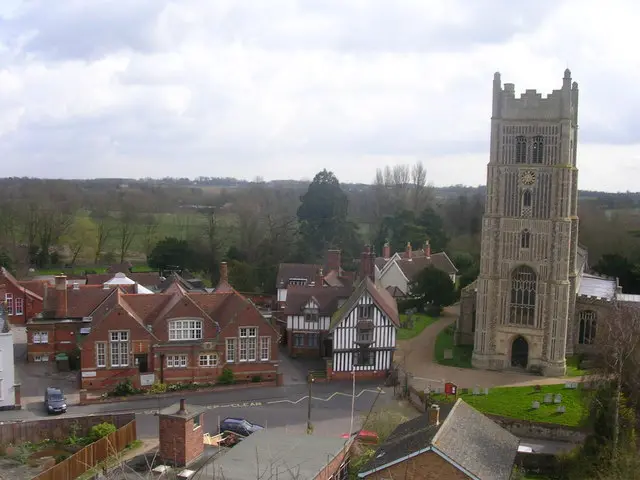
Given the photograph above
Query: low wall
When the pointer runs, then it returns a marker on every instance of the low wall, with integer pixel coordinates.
(58, 429)
(541, 430)
(540, 463)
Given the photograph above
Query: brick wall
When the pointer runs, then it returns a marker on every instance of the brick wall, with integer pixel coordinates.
(180, 443)
(428, 466)
(56, 428)
(334, 465)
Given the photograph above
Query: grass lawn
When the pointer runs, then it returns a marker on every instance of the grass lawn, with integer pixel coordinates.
(420, 322)
(515, 402)
(573, 367)
(461, 354)
(81, 270)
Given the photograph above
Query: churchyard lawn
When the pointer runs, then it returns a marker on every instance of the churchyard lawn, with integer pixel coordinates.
(516, 402)
(460, 355)
(420, 322)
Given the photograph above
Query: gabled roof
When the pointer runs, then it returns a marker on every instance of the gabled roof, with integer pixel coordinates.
(385, 302)
(175, 281)
(411, 267)
(395, 292)
(287, 271)
(466, 438)
(327, 298)
(10, 279)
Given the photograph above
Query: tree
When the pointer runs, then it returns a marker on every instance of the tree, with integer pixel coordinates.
(127, 230)
(242, 276)
(150, 226)
(211, 244)
(619, 266)
(323, 213)
(432, 288)
(103, 232)
(79, 238)
(433, 225)
(171, 252)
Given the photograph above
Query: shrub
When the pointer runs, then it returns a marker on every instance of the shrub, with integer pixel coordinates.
(123, 389)
(256, 379)
(158, 388)
(61, 457)
(227, 377)
(101, 430)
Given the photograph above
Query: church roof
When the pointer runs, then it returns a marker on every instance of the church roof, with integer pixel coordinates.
(600, 287)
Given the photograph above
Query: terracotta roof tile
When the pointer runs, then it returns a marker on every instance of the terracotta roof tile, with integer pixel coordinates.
(8, 278)
(147, 306)
(36, 286)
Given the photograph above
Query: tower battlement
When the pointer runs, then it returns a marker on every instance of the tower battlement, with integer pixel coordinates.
(532, 105)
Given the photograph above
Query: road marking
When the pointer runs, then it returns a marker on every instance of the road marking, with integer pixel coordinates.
(325, 399)
(235, 405)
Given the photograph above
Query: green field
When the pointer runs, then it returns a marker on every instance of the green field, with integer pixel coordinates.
(461, 354)
(515, 402)
(573, 367)
(420, 322)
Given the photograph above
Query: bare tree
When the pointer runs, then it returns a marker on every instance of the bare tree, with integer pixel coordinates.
(127, 231)
(419, 181)
(619, 353)
(149, 233)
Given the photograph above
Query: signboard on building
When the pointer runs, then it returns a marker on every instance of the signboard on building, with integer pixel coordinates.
(147, 379)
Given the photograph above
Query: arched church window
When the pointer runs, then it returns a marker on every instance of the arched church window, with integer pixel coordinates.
(526, 198)
(587, 332)
(523, 296)
(521, 149)
(537, 149)
(525, 239)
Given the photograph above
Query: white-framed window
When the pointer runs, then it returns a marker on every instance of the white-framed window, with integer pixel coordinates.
(265, 348)
(365, 311)
(101, 354)
(231, 350)
(185, 330)
(208, 360)
(8, 298)
(19, 306)
(40, 337)
(177, 361)
(119, 348)
(197, 422)
(364, 358)
(298, 339)
(313, 339)
(248, 346)
(40, 358)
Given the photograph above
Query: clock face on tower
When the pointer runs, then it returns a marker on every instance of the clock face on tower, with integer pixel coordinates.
(528, 177)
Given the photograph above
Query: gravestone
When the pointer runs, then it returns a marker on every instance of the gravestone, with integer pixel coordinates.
(486, 391)
(561, 409)
(535, 405)
(548, 398)
(439, 390)
(476, 391)
(568, 385)
(557, 398)
(448, 354)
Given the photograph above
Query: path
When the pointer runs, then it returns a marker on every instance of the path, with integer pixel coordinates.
(421, 364)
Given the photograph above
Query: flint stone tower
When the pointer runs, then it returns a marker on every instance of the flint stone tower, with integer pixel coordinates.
(526, 289)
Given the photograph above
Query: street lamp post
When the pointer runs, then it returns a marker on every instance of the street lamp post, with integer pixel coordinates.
(309, 426)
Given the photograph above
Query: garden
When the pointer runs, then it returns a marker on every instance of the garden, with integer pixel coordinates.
(411, 325)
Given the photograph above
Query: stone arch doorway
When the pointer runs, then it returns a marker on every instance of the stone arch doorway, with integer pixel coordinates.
(519, 353)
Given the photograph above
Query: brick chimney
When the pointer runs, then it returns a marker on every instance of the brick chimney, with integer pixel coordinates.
(434, 415)
(334, 260)
(367, 264)
(386, 251)
(407, 252)
(223, 283)
(181, 434)
(319, 277)
(60, 295)
(427, 249)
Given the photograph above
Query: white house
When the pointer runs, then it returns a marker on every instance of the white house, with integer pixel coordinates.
(7, 374)
(363, 330)
(396, 271)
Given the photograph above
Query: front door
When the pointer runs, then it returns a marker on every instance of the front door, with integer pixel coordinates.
(142, 363)
(520, 353)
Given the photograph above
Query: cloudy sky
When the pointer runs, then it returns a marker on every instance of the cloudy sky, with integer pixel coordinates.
(284, 88)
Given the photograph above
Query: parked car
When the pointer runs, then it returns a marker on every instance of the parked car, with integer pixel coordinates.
(55, 401)
(239, 426)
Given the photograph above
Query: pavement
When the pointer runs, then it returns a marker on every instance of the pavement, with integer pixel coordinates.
(417, 356)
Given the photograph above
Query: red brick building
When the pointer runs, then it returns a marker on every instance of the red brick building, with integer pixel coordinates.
(177, 337)
(22, 299)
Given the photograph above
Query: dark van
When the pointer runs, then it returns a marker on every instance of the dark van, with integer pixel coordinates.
(239, 426)
(54, 401)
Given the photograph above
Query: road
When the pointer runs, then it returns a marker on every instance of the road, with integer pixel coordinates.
(273, 407)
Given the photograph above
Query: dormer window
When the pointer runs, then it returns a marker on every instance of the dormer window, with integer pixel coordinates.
(298, 281)
(185, 330)
(364, 332)
(365, 311)
(311, 315)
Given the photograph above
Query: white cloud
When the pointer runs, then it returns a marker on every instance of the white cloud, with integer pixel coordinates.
(285, 88)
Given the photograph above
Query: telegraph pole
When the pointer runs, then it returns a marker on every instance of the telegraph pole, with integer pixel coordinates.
(309, 426)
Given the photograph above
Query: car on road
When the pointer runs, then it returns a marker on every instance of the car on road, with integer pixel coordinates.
(55, 401)
(239, 426)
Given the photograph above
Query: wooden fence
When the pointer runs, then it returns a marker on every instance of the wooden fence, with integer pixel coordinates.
(91, 455)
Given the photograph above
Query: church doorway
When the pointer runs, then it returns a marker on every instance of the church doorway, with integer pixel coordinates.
(519, 353)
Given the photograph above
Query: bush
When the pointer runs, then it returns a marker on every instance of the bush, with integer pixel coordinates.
(101, 430)
(227, 377)
(123, 389)
(256, 379)
(158, 388)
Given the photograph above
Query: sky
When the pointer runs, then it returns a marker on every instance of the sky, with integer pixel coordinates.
(284, 88)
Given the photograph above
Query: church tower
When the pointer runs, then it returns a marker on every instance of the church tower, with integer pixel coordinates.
(527, 283)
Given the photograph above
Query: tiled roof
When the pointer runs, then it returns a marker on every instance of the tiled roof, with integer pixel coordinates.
(4, 273)
(380, 296)
(83, 301)
(395, 292)
(287, 271)
(36, 286)
(327, 297)
(595, 286)
(414, 265)
(467, 437)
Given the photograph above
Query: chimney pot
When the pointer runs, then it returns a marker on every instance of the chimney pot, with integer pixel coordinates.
(386, 251)
(408, 251)
(183, 406)
(61, 282)
(427, 249)
(224, 272)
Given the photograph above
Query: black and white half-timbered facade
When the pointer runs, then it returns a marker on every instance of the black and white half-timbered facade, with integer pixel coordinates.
(363, 330)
